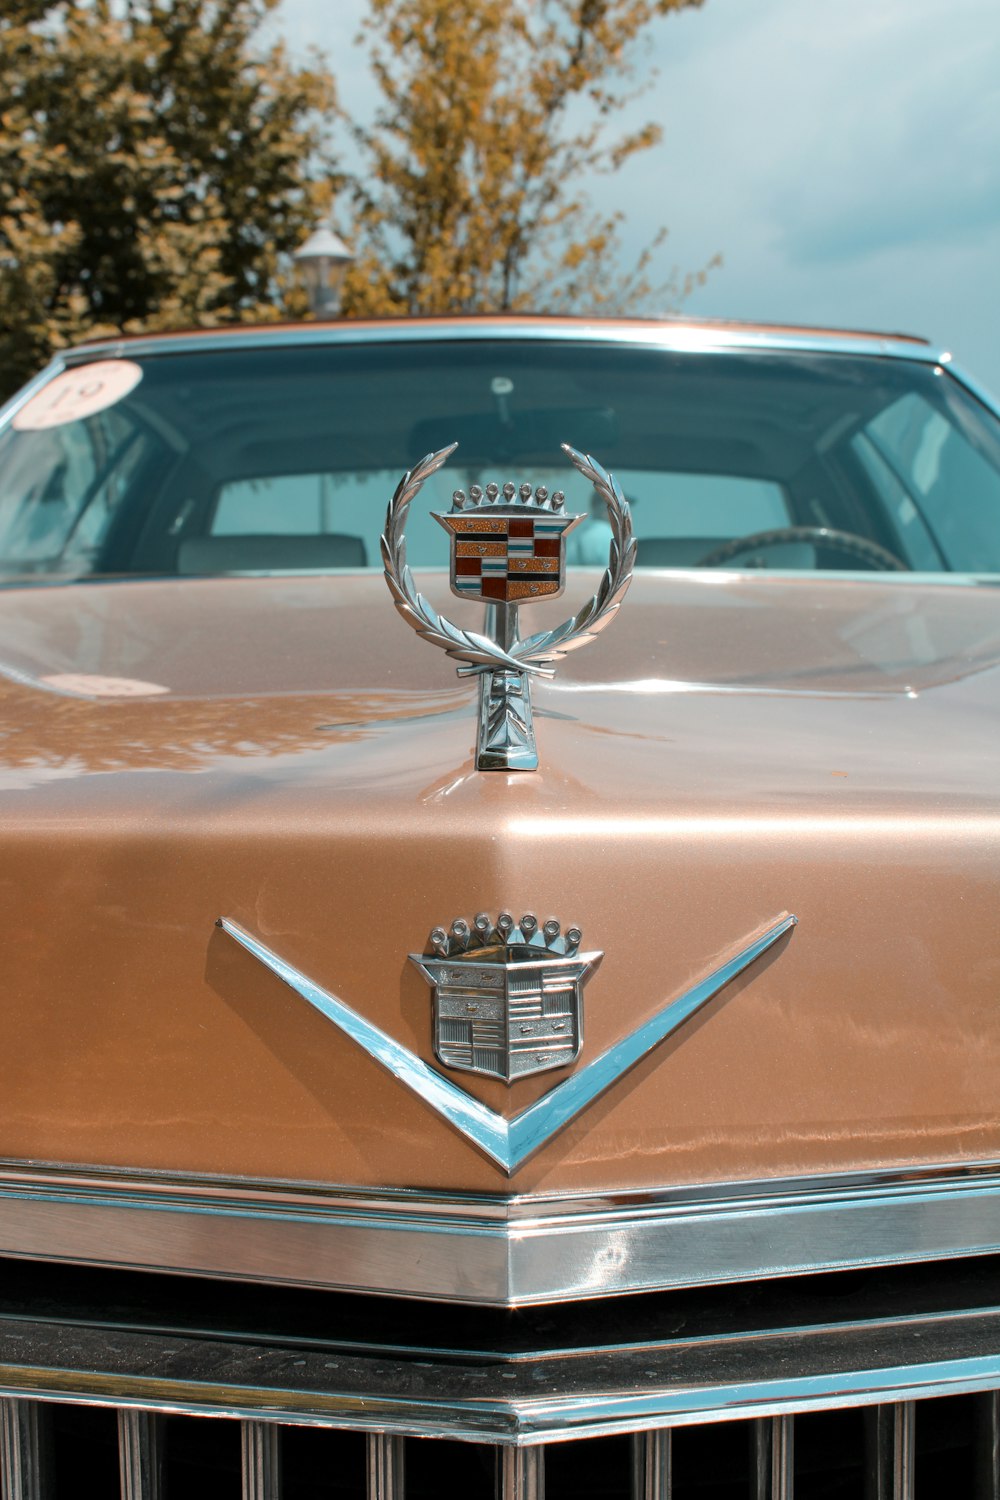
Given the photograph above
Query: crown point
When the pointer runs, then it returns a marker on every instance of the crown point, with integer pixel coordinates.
(529, 924)
(573, 937)
(557, 500)
(475, 494)
(505, 922)
(525, 492)
(439, 940)
(492, 491)
(508, 491)
(551, 929)
(460, 928)
(541, 494)
(458, 499)
(482, 924)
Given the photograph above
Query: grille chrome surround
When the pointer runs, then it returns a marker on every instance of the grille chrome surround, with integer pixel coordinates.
(522, 1388)
(497, 1251)
(662, 1366)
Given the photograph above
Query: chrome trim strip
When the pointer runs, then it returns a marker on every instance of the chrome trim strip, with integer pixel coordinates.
(679, 337)
(975, 387)
(14, 403)
(492, 1250)
(509, 1142)
(761, 1373)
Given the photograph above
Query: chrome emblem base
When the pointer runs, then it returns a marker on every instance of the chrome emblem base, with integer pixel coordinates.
(506, 725)
(507, 997)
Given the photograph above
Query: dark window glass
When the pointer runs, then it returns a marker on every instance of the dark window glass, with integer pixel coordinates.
(283, 457)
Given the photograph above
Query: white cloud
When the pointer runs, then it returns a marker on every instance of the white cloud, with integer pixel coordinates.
(844, 157)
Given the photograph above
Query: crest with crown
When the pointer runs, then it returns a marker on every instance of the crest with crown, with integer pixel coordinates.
(507, 995)
(508, 543)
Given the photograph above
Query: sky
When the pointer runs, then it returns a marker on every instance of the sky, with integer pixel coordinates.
(843, 157)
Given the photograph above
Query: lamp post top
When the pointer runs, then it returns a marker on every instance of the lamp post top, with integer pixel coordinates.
(323, 244)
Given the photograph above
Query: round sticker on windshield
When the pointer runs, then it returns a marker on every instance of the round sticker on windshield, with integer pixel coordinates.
(78, 393)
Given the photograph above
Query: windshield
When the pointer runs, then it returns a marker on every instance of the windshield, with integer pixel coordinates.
(282, 458)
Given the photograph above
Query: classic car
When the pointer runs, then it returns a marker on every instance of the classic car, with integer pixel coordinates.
(321, 842)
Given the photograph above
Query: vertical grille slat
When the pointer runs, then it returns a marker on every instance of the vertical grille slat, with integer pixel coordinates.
(773, 1447)
(520, 1474)
(652, 1465)
(140, 1455)
(988, 1446)
(261, 1460)
(25, 1450)
(890, 1457)
(386, 1467)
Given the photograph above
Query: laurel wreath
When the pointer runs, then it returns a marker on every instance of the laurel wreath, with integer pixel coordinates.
(477, 651)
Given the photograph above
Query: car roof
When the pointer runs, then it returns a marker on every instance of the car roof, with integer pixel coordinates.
(669, 333)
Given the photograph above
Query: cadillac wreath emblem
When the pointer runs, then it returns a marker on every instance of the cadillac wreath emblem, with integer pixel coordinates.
(508, 547)
(507, 996)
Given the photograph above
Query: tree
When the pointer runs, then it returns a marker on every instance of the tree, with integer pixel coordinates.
(154, 171)
(495, 119)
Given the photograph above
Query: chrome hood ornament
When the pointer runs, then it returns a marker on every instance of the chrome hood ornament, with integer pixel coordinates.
(507, 997)
(508, 548)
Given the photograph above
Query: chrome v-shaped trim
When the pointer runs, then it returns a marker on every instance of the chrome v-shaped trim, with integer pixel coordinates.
(509, 1142)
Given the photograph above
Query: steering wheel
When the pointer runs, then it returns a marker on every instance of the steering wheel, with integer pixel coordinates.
(869, 553)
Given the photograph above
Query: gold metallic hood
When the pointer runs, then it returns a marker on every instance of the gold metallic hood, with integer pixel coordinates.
(283, 753)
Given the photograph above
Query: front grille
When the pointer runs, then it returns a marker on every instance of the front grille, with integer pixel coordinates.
(866, 1386)
(943, 1447)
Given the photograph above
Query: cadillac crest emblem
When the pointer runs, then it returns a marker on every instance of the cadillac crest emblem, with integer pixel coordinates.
(508, 553)
(507, 996)
(508, 548)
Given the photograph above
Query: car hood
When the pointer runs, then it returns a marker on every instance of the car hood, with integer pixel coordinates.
(285, 754)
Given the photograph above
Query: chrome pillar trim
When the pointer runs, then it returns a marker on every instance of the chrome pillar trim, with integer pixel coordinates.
(520, 1474)
(984, 396)
(987, 1483)
(652, 1464)
(24, 1450)
(773, 1451)
(9, 408)
(510, 1141)
(260, 1446)
(140, 1454)
(493, 1250)
(386, 1466)
(890, 1451)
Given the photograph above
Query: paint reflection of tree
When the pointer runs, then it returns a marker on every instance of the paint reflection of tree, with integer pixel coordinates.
(41, 729)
